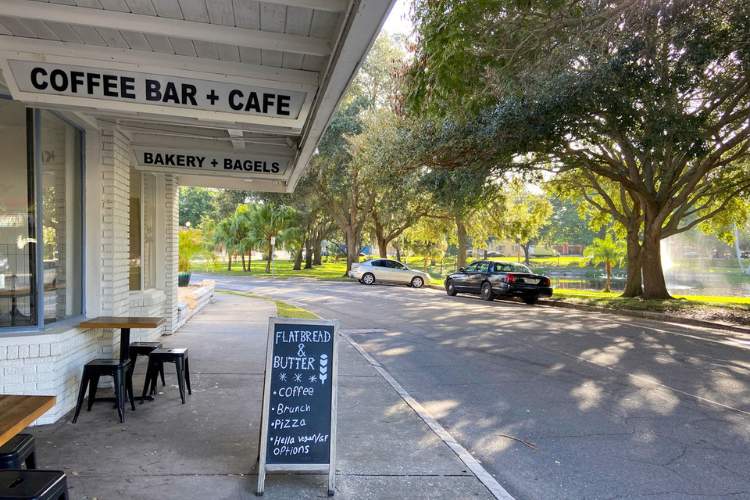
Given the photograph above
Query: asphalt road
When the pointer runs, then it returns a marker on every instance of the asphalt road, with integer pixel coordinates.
(557, 403)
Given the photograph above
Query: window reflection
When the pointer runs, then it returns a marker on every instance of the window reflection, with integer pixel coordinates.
(17, 286)
(61, 216)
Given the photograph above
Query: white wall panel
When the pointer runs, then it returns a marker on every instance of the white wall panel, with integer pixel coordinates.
(65, 32)
(141, 7)
(113, 38)
(114, 5)
(16, 27)
(183, 47)
(89, 35)
(93, 4)
(168, 8)
(160, 43)
(137, 41)
(194, 10)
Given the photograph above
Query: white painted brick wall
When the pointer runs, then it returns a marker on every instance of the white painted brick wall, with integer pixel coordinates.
(147, 303)
(115, 238)
(171, 251)
(52, 363)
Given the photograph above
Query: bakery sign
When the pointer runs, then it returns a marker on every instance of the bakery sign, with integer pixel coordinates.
(211, 163)
(122, 90)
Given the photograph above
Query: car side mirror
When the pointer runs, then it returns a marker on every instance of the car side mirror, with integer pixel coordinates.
(461, 269)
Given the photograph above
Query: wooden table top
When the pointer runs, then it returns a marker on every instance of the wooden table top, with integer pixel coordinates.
(122, 322)
(18, 412)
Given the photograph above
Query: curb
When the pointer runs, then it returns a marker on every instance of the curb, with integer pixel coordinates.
(656, 316)
(667, 318)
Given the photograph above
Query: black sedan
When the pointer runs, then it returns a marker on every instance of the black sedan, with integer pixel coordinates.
(498, 279)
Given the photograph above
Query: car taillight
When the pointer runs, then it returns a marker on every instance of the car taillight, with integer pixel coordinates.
(545, 282)
(510, 278)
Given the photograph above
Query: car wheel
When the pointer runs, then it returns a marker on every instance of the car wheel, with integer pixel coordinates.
(368, 279)
(531, 299)
(451, 289)
(486, 292)
(417, 282)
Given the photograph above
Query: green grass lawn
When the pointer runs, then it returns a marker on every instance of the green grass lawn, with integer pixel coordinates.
(280, 269)
(612, 300)
(283, 309)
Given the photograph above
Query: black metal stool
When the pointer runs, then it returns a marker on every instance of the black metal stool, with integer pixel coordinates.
(143, 349)
(17, 452)
(123, 383)
(33, 485)
(156, 360)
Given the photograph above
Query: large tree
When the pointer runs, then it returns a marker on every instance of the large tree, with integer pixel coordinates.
(346, 184)
(400, 200)
(651, 96)
(196, 203)
(520, 215)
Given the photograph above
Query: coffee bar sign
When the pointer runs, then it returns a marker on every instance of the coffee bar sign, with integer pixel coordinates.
(211, 163)
(101, 86)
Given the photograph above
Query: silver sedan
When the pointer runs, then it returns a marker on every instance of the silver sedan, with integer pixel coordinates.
(388, 271)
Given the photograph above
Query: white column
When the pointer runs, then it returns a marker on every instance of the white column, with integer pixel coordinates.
(171, 213)
(115, 250)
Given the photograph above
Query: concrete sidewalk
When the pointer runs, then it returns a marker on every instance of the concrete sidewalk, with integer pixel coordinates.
(207, 448)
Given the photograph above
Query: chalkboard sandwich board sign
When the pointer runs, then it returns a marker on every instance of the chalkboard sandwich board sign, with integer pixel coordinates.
(298, 423)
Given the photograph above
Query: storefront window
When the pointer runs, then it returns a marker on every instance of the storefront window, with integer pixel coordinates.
(135, 229)
(40, 181)
(17, 219)
(142, 230)
(61, 211)
(149, 230)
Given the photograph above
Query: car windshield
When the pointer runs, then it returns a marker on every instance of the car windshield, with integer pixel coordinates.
(504, 267)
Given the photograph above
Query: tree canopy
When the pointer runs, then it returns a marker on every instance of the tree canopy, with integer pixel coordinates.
(651, 97)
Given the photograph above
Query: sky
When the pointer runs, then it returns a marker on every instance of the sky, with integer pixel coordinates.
(398, 21)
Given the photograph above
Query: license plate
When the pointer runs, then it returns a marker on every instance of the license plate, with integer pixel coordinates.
(531, 281)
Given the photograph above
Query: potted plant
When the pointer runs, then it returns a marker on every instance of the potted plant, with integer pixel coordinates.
(190, 245)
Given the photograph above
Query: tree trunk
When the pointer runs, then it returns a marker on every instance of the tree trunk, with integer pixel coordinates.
(298, 260)
(654, 285)
(229, 267)
(634, 282)
(463, 241)
(317, 252)
(308, 254)
(352, 249)
(398, 252)
(526, 248)
(269, 257)
(250, 260)
(382, 246)
(380, 239)
(608, 283)
(242, 256)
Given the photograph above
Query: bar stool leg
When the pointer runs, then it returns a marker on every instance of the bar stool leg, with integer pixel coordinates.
(93, 384)
(119, 395)
(187, 375)
(147, 382)
(180, 378)
(158, 367)
(161, 372)
(81, 395)
(31, 460)
(129, 389)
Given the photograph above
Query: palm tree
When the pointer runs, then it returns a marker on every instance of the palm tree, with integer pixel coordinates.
(224, 237)
(269, 220)
(608, 252)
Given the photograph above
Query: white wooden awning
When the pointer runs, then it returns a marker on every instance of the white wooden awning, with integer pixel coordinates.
(246, 85)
